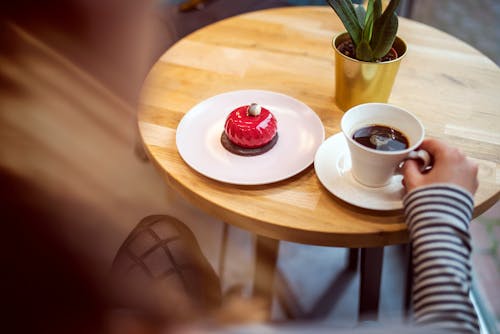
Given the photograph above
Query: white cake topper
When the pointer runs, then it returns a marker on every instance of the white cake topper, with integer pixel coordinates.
(254, 109)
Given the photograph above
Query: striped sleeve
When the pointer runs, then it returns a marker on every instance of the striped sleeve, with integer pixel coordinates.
(438, 218)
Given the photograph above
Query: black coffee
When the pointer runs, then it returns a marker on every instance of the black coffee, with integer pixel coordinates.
(381, 138)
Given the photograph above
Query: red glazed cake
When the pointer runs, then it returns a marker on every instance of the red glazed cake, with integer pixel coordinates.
(250, 130)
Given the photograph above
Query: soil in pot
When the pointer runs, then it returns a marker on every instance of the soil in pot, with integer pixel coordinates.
(347, 48)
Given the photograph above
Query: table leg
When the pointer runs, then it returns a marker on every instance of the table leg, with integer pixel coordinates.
(353, 255)
(223, 251)
(369, 292)
(409, 284)
(266, 256)
(287, 298)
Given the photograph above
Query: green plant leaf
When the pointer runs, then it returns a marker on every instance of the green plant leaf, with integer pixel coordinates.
(364, 52)
(347, 14)
(391, 7)
(368, 26)
(384, 37)
(377, 10)
(385, 30)
(361, 14)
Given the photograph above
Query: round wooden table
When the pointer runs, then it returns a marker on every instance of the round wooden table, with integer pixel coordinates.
(450, 86)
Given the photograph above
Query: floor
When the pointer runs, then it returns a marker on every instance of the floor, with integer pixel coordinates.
(474, 22)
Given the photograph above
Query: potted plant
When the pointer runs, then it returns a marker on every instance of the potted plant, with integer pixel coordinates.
(368, 55)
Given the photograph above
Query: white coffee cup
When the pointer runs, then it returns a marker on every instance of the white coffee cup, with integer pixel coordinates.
(375, 168)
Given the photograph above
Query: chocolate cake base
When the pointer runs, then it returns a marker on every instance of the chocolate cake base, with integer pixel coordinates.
(244, 151)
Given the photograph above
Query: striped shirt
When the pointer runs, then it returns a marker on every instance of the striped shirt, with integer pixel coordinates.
(438, 218)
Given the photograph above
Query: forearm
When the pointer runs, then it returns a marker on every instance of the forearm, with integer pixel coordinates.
(438, 219)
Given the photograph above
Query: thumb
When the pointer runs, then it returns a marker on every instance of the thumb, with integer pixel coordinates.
(411, 173)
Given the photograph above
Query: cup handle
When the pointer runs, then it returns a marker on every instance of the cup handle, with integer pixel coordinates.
(421, 155)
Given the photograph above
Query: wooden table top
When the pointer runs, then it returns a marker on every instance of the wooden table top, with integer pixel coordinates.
(450, 86)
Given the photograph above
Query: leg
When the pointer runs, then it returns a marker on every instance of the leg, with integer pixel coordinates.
(369, 292)
(353, 259)
(266, 256)
(163, 253)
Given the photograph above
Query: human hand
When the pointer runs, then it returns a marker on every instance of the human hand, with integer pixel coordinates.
(450, 166)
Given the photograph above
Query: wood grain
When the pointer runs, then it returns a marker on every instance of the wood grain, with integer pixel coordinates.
(449, 85)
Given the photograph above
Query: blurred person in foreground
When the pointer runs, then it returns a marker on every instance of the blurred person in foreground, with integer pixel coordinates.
(70, 74)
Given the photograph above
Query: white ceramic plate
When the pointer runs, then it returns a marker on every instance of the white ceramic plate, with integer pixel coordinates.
(333, 168)
(300, 134)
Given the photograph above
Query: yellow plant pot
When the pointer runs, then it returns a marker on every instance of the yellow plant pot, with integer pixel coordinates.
(358, 82)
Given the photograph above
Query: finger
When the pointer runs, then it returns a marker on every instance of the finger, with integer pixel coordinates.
(434, 147)
(475, 171)
(411, 173)
(474, 167)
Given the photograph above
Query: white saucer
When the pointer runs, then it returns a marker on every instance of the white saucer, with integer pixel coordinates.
(300, 134)
(333, 168)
